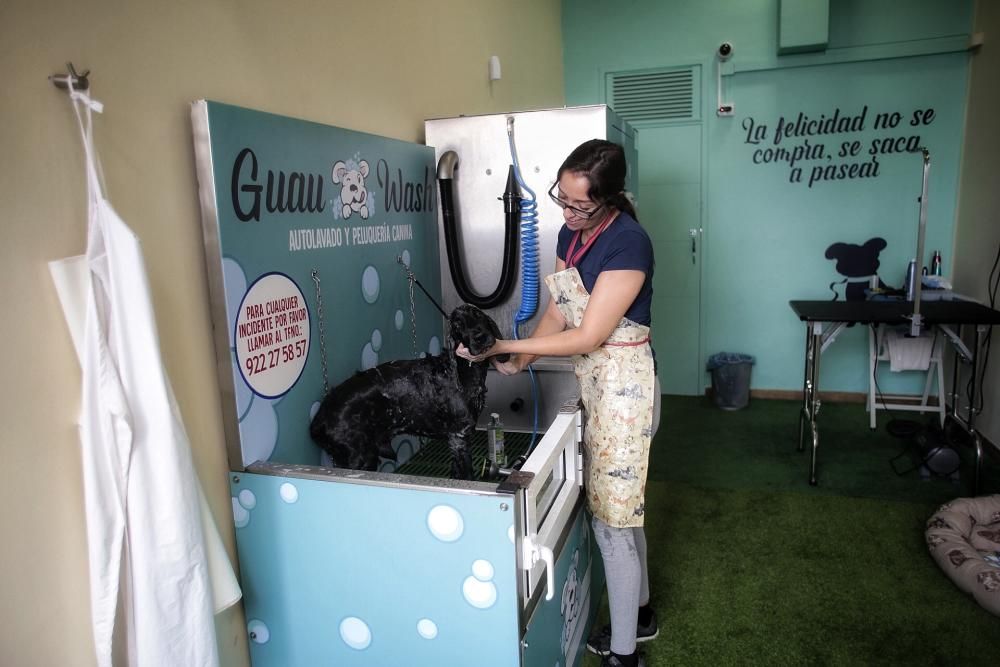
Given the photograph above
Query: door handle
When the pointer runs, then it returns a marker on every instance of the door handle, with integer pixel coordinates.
(693, 233)
(532, 553)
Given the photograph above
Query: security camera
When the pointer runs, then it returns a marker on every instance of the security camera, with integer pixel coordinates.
(724, 51)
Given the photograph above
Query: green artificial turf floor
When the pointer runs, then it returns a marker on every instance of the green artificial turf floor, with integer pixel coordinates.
(750, 565)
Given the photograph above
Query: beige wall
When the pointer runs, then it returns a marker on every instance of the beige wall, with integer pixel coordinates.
(378, 66)
(977, 237)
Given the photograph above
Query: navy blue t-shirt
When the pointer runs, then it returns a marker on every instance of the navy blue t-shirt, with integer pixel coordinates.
(623, 245)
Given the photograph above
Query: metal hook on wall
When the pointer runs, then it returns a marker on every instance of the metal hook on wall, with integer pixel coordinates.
(79, 81)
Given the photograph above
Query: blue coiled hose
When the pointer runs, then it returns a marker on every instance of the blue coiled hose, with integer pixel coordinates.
(529, 266)
(529, 240)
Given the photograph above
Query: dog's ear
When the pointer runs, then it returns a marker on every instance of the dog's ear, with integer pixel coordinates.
(495, 330)
(836, 251)
(876, 245)
(454, 328)
(339, 169)
(363, 168)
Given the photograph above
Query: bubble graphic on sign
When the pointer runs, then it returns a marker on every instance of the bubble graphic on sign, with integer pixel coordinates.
(445, 523)
(369, 357)
(288, 492)
(241, 517)
(479, 590)
(405, 256)
(434, 346)
(259, 431)
(258, 632)
(404, 450)
(244, 396)
(376, 340)
(236, 284)
(355, 633)
(482, 570)
(427, 628)
(399, 320)
(272, 335)
(370, 284)
(247, 499)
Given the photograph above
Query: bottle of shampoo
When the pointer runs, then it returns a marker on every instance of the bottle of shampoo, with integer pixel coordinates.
(936, 263)
(911, 280)
(495, 444)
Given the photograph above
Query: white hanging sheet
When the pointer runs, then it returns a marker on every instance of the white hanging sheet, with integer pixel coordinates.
(148, 526)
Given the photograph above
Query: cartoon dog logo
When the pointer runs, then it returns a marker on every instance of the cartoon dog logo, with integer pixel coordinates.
(570, 606)
(857, 263)
(353, 194)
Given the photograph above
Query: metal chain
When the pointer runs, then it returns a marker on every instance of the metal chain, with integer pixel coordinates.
(322, 327)
(413, 318)
(413, 309)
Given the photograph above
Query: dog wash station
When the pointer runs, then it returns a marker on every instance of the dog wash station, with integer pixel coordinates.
(320, 242)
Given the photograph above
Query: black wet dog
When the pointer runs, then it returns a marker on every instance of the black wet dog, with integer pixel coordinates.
(434, 397)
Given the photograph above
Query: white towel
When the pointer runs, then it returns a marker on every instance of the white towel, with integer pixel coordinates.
(908, 354)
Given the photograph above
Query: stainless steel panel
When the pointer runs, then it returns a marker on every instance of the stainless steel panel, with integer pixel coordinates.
(216, 290)
(543, 139)
(511, 396)
(372, 478)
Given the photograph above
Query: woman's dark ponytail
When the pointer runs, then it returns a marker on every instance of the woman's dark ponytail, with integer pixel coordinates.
(623, 202)
(603, 163)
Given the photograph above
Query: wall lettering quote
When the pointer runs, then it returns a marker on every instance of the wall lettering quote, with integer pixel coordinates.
(829, 148)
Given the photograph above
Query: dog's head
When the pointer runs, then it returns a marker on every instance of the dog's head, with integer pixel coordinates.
(857, 260)
(352, 183)
(474, 329)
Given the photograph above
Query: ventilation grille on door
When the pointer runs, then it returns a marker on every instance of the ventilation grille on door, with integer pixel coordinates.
(661, 95)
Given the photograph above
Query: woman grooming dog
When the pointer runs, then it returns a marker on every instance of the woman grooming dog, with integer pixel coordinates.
(599, 315)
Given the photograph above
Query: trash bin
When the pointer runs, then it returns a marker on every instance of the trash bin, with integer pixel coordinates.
(730, 379)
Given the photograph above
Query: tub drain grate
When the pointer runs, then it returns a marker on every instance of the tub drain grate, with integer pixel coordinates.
(434, 458)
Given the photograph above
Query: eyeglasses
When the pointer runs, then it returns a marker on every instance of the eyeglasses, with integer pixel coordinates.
(578, 212)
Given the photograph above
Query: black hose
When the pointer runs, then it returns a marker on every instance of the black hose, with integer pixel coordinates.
(512, 216)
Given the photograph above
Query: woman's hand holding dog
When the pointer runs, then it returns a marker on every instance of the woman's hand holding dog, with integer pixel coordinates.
(511, 367)
(463, 351)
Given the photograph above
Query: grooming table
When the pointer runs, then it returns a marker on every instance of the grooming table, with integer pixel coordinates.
(826, 319)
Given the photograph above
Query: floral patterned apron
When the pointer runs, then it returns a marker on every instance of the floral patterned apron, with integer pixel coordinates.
(616, 386)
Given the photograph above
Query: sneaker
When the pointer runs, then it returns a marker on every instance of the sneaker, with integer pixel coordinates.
(612, 660)
(600, 642)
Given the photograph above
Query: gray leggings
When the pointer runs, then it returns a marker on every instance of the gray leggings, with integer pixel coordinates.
(624, 553)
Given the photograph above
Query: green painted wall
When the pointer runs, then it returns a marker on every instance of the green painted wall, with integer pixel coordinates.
(765, 230)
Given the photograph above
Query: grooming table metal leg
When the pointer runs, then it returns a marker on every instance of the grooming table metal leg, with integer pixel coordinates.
(977, 441)
(968, 424)
(804, 415)
(810, 393)
(816, 335)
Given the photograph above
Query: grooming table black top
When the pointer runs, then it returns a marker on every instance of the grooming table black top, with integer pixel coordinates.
(895, 312)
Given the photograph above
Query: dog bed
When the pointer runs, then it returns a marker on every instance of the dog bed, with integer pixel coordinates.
(964, 539)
